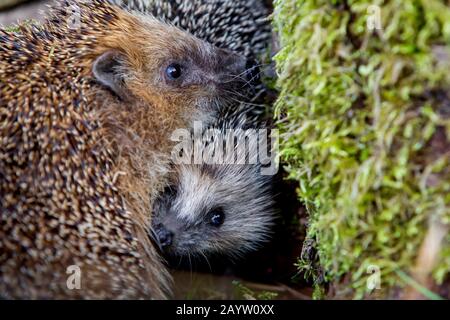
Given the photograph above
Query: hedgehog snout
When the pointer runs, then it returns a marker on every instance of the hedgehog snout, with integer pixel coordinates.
(164, 236)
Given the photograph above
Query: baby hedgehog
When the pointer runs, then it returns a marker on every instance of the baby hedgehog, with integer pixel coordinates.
(225, 207)
(88, 102)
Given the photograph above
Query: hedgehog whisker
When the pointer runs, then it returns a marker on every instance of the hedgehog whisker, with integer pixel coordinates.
(259, 94)
(190, 263)
(240, 76)
(249, 103)
(249, 82)
(206, 259)
(179, 262)
(236, 93)
(256, 76)
(261, 65)
(243, 102)
(154, 238)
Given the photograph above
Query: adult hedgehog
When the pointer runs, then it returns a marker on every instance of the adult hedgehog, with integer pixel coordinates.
(85, 119)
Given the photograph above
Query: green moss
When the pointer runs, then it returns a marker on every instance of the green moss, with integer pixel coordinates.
(244, 292)
(16, 28)
(359, 113)
(12, 28)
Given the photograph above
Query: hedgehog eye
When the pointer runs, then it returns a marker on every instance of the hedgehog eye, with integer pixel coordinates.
(216, 217)
(174, 71)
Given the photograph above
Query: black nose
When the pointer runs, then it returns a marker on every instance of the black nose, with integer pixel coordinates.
(165, 237)
(252, 72)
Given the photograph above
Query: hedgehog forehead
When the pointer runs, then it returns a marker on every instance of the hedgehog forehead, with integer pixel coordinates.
(202, 188)
(196, 193)
(170, 41)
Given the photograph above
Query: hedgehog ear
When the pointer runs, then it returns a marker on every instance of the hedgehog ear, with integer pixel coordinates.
(107, 71)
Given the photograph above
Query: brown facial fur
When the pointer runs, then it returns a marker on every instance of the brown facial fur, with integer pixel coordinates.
(77, 165)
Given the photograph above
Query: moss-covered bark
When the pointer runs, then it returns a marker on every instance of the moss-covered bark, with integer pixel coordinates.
(365, 121)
